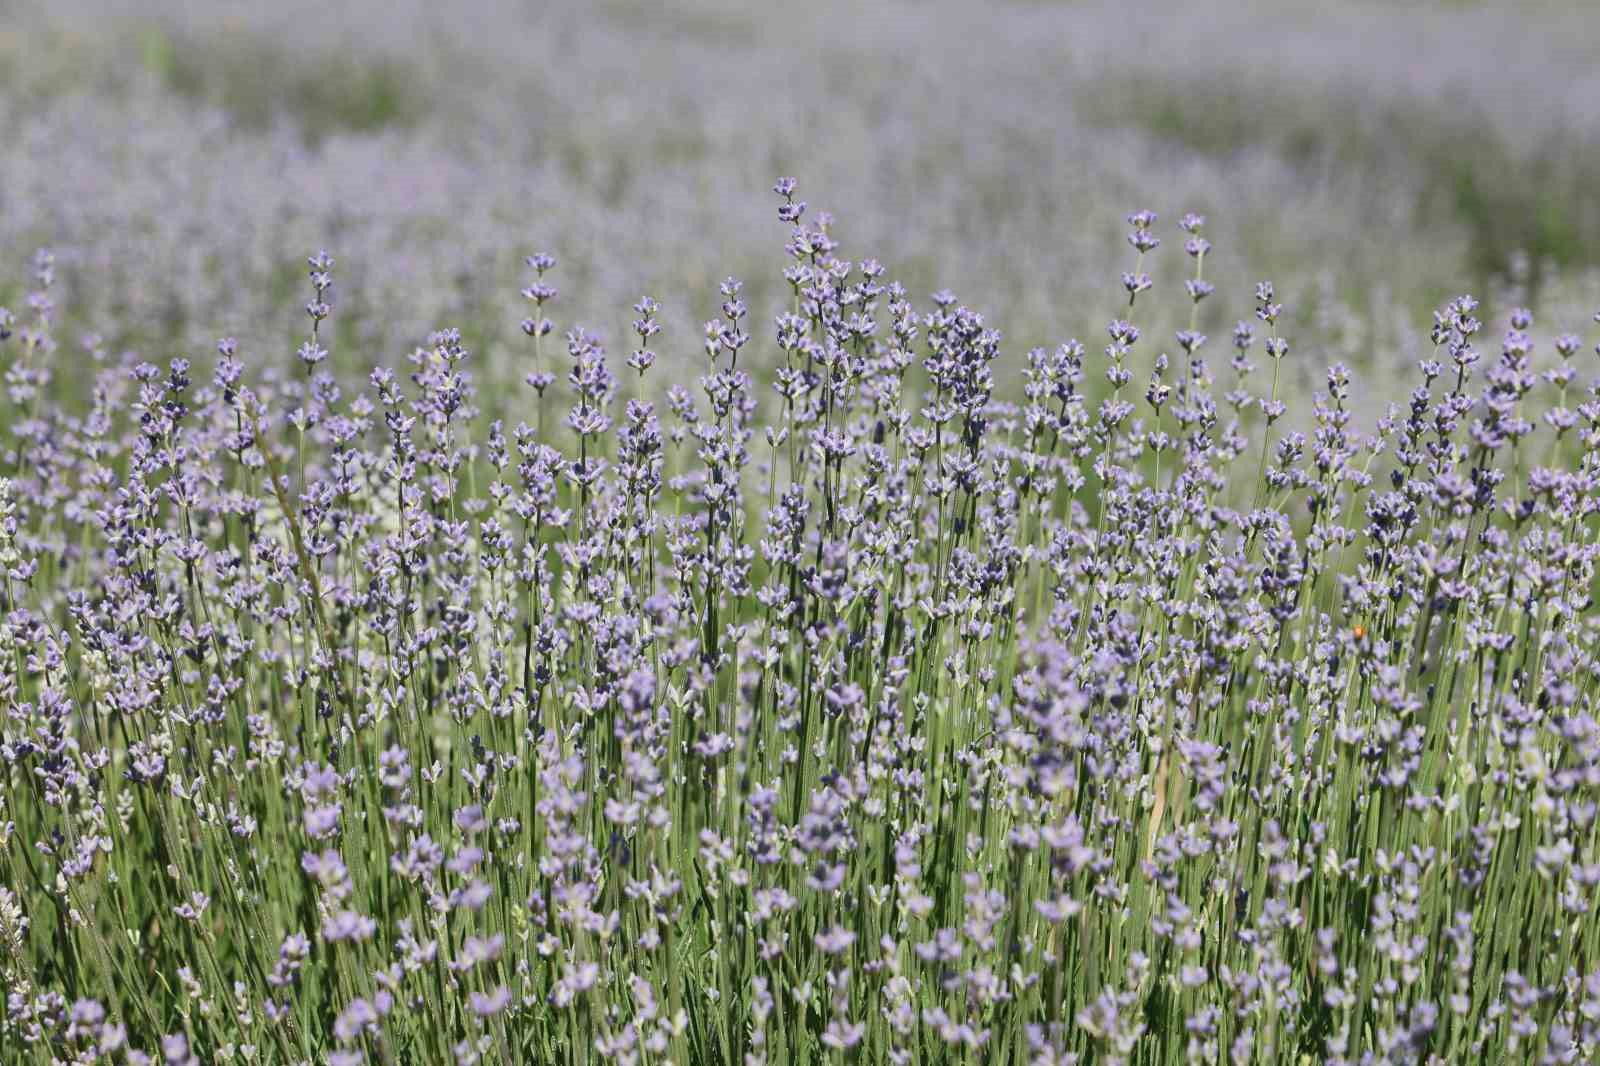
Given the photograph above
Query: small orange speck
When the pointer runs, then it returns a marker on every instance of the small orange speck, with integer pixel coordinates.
(1358, 631)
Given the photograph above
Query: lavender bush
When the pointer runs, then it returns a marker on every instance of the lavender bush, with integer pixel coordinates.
(847, 711)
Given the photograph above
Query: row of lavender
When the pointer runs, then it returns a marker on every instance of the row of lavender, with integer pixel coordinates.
(179, 158)
(850, 710)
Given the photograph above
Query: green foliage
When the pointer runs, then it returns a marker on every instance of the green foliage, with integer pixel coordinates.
(258, 81)
(1536, 202)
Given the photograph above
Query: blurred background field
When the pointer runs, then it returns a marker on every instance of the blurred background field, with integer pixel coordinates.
(1370, 159)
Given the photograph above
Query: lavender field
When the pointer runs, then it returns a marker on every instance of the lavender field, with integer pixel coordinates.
(493, 573)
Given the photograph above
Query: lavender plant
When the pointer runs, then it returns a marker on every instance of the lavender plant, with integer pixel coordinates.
(846, 710)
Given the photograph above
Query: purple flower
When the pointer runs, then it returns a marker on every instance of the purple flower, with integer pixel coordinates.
(470, 819)
(347, 925)
(492, 1003)
(322, 822)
